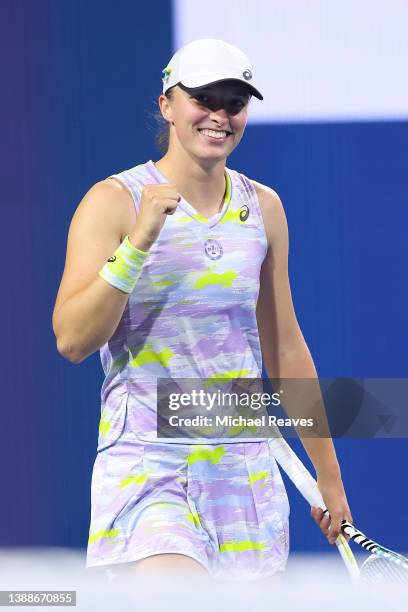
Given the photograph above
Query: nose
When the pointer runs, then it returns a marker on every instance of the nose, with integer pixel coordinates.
(220, 115)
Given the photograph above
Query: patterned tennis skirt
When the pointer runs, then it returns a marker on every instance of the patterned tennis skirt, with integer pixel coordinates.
(224, 505)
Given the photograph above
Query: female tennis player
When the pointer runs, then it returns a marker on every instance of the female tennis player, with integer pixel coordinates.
(178, 269)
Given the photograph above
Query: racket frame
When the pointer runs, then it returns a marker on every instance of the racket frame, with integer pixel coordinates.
(307, 486)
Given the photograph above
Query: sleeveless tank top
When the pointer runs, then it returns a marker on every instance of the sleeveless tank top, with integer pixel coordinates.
(192, 313)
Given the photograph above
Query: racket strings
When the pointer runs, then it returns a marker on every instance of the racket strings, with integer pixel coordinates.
(380, 552)
(380, 569)
(384, 564)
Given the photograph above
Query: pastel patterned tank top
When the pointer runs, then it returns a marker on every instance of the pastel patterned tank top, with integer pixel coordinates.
(192, 313)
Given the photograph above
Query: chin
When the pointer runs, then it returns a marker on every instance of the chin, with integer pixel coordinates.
(215, 157)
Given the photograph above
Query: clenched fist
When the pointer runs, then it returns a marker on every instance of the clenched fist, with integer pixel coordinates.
(157, 201)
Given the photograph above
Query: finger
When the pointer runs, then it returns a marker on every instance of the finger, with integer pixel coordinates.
(316, 513)
(169, 208)
(334, 529)
(325, 523)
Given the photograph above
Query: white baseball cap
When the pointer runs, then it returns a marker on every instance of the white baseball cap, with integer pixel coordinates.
(207, 61)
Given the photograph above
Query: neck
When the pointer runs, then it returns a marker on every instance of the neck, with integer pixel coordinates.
(203, 185)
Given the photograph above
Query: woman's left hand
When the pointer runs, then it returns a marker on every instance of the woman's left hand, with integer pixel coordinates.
(334, 496)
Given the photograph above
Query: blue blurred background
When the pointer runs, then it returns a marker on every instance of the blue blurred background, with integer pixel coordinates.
(79, 83)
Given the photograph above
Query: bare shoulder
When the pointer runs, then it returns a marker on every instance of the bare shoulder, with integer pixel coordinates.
(273, 213)
(110, 201)
(100, 222)
(267, 197)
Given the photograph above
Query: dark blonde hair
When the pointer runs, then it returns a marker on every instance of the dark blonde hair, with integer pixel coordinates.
(162, 127)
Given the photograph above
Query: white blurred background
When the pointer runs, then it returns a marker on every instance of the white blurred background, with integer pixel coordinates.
(311, 583)
(314, 60)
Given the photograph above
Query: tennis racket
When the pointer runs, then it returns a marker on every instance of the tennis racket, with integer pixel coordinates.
(383, 564)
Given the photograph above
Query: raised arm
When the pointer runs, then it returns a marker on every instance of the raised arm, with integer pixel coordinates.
(88, 309)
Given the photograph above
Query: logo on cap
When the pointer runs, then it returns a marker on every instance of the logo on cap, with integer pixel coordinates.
(247, 74)
(166, 74)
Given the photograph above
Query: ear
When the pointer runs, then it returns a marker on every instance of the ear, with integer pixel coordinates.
(165, 108)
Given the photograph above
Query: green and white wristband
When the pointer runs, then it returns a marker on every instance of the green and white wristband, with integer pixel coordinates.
(123, 268)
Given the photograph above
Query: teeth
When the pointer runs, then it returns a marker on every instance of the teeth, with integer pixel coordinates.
(214, 134)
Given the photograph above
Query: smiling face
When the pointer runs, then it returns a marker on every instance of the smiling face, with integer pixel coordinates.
(209, 121)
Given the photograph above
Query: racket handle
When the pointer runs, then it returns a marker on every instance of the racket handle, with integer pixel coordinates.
(307, 486)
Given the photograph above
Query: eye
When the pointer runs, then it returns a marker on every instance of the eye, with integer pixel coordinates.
(203, 97)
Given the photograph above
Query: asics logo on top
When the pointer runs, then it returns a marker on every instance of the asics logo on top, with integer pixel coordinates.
(113, 258)
(244, 213)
